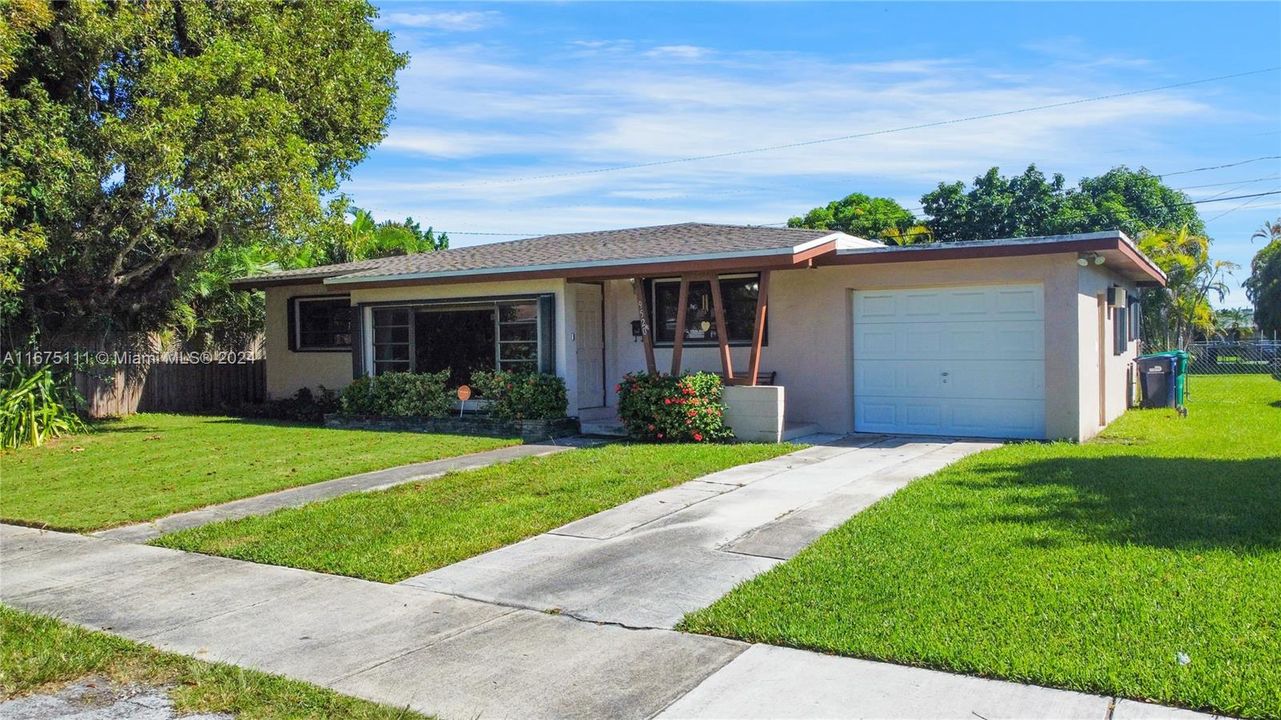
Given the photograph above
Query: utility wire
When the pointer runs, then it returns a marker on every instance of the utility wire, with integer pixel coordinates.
(1220, 167)
(870, 133)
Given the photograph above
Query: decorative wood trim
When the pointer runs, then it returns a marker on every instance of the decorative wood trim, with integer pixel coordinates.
(647, 335)
(722, 332)
(758, 332)
(682, 313)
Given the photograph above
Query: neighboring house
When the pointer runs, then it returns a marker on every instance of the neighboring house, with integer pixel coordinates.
(1021, 338)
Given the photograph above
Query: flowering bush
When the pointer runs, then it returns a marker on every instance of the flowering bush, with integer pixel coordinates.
(399, 394)
(522, 396)
(667, 408)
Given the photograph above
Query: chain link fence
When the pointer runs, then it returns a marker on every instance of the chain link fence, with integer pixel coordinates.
(1227, 370)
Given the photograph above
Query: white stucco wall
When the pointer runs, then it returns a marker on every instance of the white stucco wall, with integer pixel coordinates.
(289, 370)
(1093, 283)
(810, 345)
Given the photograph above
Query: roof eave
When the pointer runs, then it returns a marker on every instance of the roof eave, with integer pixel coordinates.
(1115, 243)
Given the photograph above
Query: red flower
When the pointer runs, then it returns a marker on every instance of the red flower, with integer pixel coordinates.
(698, 437)
(660, 436)
(667, 401)
(692, 413)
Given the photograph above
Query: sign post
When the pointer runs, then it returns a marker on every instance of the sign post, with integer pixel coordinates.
(464, 394)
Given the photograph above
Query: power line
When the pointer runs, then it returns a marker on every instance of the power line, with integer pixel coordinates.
(1220, 167)
(870, 133)
(1238, 183)
(1234, 197)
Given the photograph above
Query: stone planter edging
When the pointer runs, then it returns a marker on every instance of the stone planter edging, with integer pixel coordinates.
(527, 430)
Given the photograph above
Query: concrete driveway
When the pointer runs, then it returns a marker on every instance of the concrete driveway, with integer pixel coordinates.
(647, 563)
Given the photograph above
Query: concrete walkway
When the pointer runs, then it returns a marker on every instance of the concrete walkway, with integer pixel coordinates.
(647, 563)
(365, 482)
(440, 654)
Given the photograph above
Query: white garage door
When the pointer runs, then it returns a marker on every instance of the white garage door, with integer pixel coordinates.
(951, 361)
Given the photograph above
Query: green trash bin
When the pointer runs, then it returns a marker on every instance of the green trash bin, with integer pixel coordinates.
(1181, 375)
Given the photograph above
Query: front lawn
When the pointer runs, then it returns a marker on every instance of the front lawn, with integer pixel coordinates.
(396, 534)
(39, 654)
(1145, 564)
(149, 466)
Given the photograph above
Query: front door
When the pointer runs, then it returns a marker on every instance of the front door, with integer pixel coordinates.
(589, 338)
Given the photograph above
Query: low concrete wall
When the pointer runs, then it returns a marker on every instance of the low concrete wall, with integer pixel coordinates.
(527, 430)
(755, 413)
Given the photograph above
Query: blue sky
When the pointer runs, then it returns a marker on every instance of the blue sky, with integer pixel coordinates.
(499, 96)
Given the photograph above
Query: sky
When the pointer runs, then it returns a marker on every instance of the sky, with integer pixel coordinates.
(515, 119)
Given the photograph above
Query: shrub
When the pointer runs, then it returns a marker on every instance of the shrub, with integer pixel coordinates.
(36, 404)
(666, 408)
(522, 396)
(399, 394)
(304, 406)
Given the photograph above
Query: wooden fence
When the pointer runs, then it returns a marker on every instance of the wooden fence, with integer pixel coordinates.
(172, 387)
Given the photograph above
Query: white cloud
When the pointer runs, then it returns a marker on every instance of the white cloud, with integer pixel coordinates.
(471, 117)
(446, 20)
(678, 52)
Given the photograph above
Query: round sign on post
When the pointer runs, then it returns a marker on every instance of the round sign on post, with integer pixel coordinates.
(464, 393)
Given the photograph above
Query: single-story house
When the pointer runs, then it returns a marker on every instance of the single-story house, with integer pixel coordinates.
(814, 330)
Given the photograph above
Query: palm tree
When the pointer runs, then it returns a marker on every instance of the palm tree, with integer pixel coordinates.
(1182, 307)
(1237, 322)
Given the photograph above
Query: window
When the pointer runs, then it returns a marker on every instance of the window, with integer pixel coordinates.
(393, 341)
(518, 336)
(1136, 318)
(463, 337)
(321, 324)
(739, 293)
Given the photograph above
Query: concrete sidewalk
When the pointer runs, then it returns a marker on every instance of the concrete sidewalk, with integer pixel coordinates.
(647, 563)
(365, 482)
(438, 654)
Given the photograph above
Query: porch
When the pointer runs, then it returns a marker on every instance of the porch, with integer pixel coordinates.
(672, 323)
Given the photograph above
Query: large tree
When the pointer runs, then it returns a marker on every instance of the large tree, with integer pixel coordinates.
(138, 137)
(1264, 285)
(1030, 204)
(858, 214)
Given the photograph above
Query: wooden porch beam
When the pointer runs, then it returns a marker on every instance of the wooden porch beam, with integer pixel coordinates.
(722, 335)
(647, 335)
(758, 332)
(682, 310)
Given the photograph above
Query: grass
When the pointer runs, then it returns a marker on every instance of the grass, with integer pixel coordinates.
(149, 466)
(395, 534)
(39, 654)
(1094, 567)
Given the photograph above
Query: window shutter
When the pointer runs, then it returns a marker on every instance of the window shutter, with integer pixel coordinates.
(357, 341)
(547, 334)
(291, 322)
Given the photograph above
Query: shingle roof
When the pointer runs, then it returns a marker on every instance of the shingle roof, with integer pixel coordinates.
(629, 245)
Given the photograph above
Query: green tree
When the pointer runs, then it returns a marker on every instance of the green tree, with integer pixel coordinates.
(209, 313)
(1174, 314)
(859, 215)
(1031, 204)
(1264, 284)
(139, 137)
(347, 233)
(1236, 322)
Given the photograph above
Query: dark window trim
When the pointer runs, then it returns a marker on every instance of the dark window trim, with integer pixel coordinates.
(545, 304)
(295, 330)
(653, 313)
(1120, 329)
